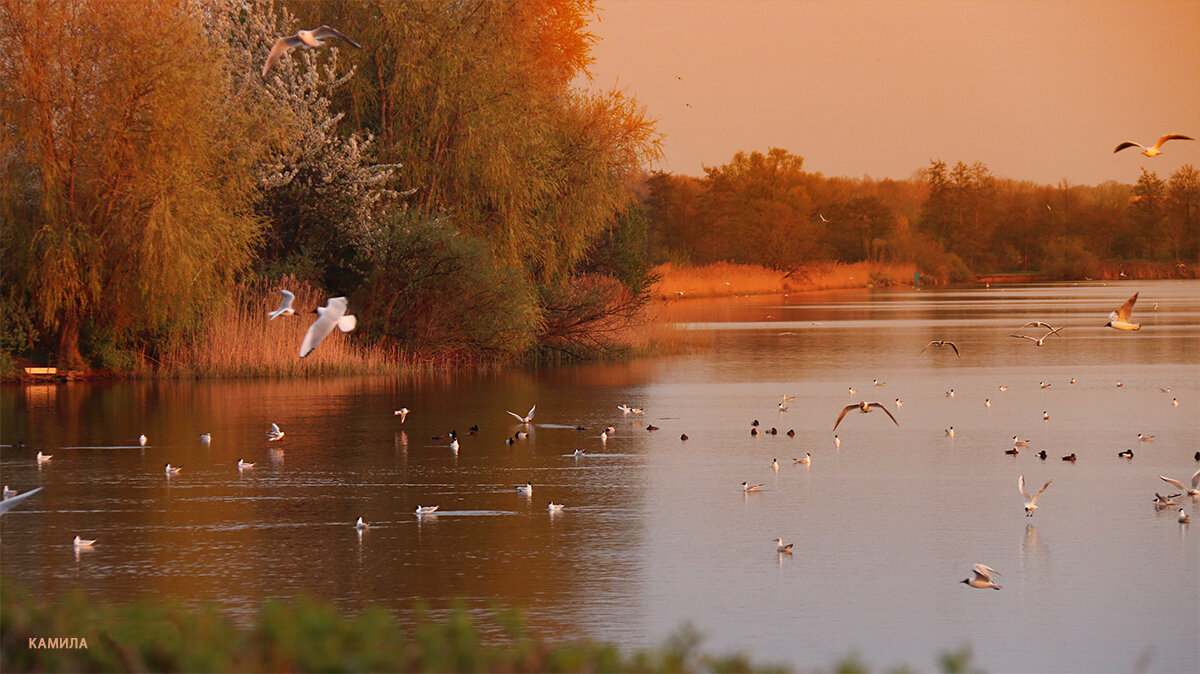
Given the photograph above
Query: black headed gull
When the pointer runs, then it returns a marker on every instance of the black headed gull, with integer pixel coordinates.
(274, 434)
(554, 507)
(1164, 500)
(402, 413)
(83, 542)
(426, 510)
(807, 460)
(1030, 501)
(308, 39)
(360, 524)
(285, 306)
(12, 501)
(328, 316)
(1183, 517)
(747, 487)
(1195, 488)
(942, 342)
(1119, 319)
(1153, 150)
(982, 578)
(142, 440)
(172, 470)
(781, 548)
(244, 465)
(864, 407)
(524, 419)
(526, 489)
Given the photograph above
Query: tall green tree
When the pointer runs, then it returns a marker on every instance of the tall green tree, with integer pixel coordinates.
(126, 174)
(1183, 215)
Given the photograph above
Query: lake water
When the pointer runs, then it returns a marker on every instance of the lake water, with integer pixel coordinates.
(657, 531)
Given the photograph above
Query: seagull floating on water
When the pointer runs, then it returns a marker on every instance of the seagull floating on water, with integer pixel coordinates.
(328, 316)
(9, 493)
(780, 547)
(950, 432)
(554, 507)
(807, 460)
(244, 465)
(942, 342)
(308, 39)
(83, 542)
(526, 488)
(426, 510)
(1145, 438)
(1183, 517)
(360, 524)
(1030, 501)
(285, 306)
(206, 438)
(172, 470)
(864, 407)
(1120, 319)
(43, 458)
(1195, 488)
(982, 578)
(1153, 150)
(1164, 500)
(987, 402)
(142, 440)
(899, 403)
(625, 409)
(525, 419)
(747, 487)
(876, 382)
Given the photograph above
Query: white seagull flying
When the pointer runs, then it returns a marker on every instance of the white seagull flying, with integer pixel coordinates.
(307, 39)
(1152, 151)
(285, 306)
(328, 316)
(1119, 319)
(1030, 501)
(864, 407)
(982, 578)
(524, 419)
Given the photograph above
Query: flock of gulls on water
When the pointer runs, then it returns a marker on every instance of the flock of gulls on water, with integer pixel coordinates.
(333, 314)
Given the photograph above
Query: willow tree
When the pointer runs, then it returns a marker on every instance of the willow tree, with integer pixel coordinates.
(126, 209)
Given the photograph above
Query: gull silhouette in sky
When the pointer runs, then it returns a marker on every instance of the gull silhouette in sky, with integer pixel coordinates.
(307, 39)
(328, 316)
(1152, 151)
(864, 407)
(285, 306)
(982, 578)
(524, 419)
(1030, 501)
(1119, 319)
(942, 342)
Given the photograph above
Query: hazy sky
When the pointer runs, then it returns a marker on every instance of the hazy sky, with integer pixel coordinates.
(1040, 90)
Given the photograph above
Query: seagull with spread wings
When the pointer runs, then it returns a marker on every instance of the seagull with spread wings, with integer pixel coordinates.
(863, 407)
(308, 39)
(328, 316)
(1119, 319)
(1154, 150)
(942, 342)
(524, 419)
(1030, 501)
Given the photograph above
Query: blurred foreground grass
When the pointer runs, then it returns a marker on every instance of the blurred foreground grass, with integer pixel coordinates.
(307, 635)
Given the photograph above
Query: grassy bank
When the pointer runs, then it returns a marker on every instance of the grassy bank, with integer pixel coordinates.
(724, 278)
(306, 635)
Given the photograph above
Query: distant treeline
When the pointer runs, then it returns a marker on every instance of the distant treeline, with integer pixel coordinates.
(447, 177)
(951, 221)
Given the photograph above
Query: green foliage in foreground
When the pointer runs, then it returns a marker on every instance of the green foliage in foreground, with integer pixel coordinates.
(307, 635)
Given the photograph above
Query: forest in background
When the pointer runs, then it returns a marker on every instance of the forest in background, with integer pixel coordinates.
(952, 222)
(450, 178)
(447, 178)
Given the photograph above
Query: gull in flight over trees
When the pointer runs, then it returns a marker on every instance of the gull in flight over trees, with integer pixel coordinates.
(1195, 488)
(1119, 319)
(864, 407)
(1030, 501)
(11, 502)
(285, 306)
(333, 313)
(982, 578)
(1154, 150)
(524, 419)
(307, 39)
(942, 342)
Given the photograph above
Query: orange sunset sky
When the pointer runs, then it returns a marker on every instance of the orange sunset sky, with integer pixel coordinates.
(1039, 91)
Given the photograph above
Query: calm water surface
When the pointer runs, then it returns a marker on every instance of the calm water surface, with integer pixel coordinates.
(657, 531)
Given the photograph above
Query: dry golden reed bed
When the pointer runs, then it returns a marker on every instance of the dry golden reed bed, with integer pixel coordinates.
(242, 342)
(725, 278)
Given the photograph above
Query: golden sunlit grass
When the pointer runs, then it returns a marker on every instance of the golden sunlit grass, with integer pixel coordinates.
(725, 278)
(242, 342)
